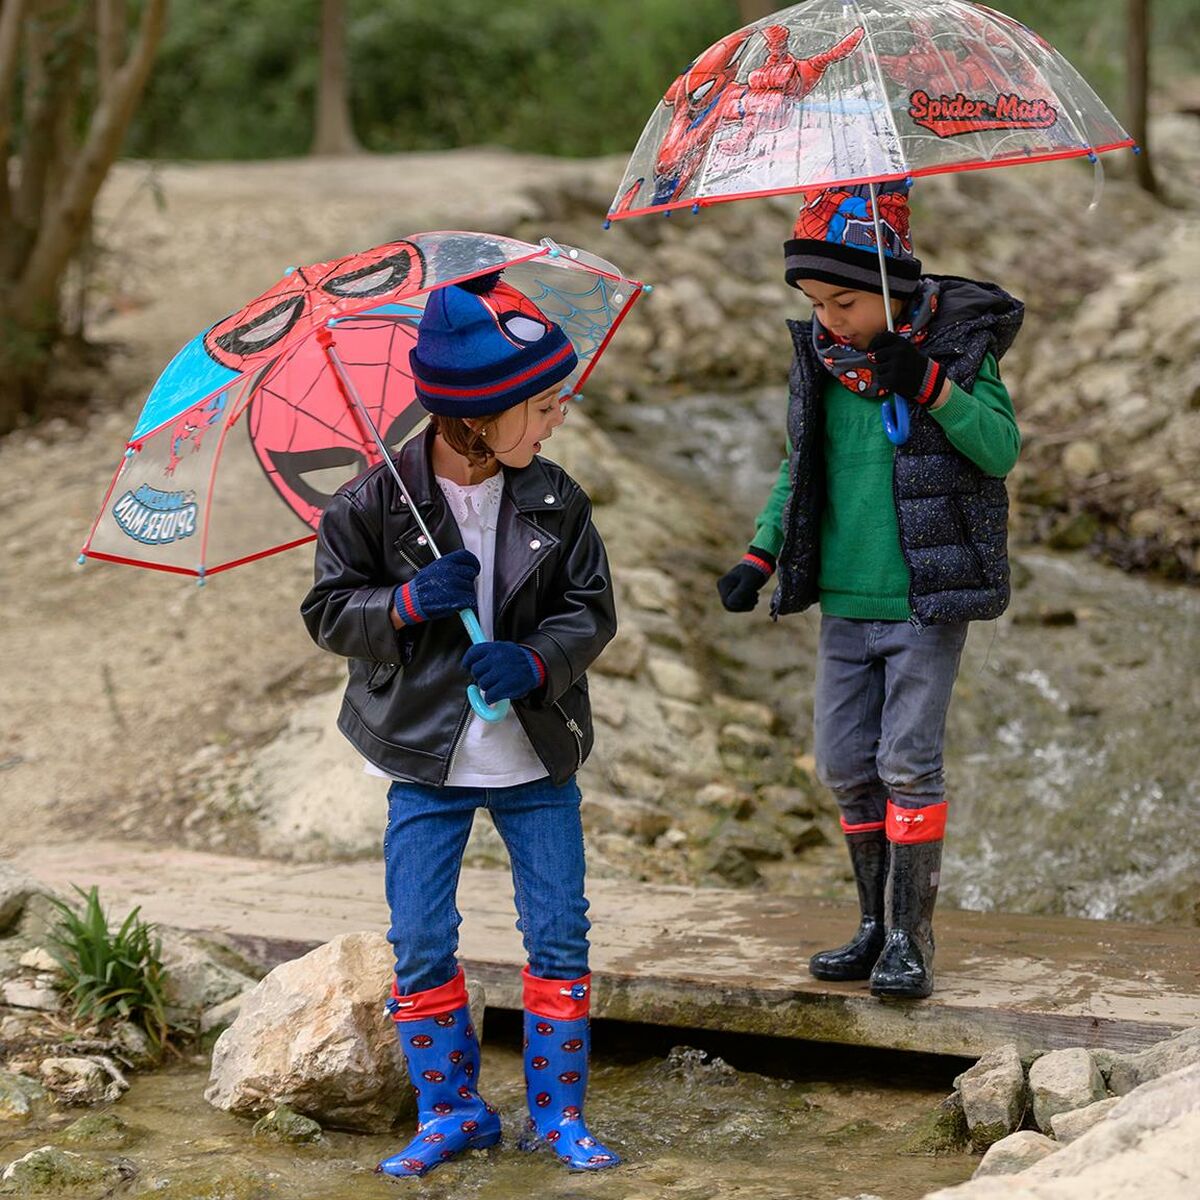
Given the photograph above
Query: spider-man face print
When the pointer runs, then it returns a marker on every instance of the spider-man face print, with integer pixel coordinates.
(308, 438)
(309, 296)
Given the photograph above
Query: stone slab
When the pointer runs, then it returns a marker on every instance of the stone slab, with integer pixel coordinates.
(701, 958)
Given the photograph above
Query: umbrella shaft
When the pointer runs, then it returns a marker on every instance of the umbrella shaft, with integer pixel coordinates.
(352, 397)
(883, 277)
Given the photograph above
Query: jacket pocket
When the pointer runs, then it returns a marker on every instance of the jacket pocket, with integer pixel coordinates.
(381, 675)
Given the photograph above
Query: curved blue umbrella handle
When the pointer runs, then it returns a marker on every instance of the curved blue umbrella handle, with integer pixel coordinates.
(895, 419)
(489, 712)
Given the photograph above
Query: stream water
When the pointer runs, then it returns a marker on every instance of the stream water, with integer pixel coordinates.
(823, 1124)
(1071, 748)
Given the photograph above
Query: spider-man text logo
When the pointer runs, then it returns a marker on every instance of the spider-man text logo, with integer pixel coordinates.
(952, 116)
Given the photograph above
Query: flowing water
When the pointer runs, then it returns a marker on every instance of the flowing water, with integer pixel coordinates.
(1071, 755)
(824, 1124)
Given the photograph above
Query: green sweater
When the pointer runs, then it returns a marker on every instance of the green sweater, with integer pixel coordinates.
(863, 573)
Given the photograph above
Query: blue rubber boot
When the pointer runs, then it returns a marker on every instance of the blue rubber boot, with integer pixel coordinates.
(442, 1052)
(557, 1045)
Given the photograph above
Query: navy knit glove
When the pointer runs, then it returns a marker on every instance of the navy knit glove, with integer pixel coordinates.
(441, 589)
(504, 670)
(902, 368)
(739, 588)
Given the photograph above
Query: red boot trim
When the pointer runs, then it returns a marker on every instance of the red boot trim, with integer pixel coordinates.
(865, 827)
(912, 825)
(431, 1003)
(557, 999)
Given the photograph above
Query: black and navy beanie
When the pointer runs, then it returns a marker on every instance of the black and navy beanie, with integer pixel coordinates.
(834, 240)
(483, 347)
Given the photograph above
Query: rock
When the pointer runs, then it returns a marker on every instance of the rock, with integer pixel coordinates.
(219, 1018)
(1073, 532)
(49, 1171)
(744, 712)
(993, 1095)
(1082, 459)
(943, 1131)
(77, 1080)
(1068, 1126)
(196, 978)
(314, 1036)
(1064, 1080)
(39, 959)
(631, 818)
(1014, 1153)
(1131, 1071)
(746, 740)
(675, 679)
(624, 655)
(236, 1178)
(16, 1025)
(650, 590)
(134, 1045)
(19, 1095)
(100, 1130)
(283, 1125)
(38, 995)
(15, 889)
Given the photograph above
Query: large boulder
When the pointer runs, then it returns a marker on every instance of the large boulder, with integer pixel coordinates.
(1013, 1154)
(314, 1036)
(993, 1095)
(1064, 1080)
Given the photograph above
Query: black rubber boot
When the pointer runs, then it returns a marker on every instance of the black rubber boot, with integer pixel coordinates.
(854, 960)
(905, 966)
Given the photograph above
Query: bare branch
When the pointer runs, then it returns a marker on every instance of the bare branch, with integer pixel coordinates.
(66, 223)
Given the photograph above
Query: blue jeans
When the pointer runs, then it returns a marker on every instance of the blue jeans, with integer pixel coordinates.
(879, 719)
(423, 848)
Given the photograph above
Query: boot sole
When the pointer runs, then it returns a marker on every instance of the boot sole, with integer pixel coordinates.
(901, 993)
(831, 976)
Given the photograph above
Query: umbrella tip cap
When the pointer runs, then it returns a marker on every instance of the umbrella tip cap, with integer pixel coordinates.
(607, 223)
(81, 560)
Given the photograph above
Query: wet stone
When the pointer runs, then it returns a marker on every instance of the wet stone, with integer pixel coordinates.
(283, 1125)
(1064, 1080)
(49, 1171)
(1068, 1126)
(100, 1131)
(18, 1096)
(943, 1131)
(993, 1095)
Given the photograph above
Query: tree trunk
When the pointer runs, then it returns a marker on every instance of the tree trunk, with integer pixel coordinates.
(755, 10)
(57, 155)
(1138, 87)
(335, 129)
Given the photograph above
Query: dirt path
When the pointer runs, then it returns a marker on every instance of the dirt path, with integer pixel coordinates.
(113, 678)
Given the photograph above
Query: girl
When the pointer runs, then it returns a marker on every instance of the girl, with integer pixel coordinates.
(520, 548)
(900, 545)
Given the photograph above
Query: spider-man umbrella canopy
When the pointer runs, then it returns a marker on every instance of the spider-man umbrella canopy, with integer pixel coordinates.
(837, 91)
(248, 433)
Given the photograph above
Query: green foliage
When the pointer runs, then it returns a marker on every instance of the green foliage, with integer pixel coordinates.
(111, 974)
(237, 79)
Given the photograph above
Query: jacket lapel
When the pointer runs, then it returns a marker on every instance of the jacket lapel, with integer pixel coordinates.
(417, 473)
(522, 541)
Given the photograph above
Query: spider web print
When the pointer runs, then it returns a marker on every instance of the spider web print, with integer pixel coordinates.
(586, 317)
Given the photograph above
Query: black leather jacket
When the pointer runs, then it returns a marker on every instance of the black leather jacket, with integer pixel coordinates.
(406, 704)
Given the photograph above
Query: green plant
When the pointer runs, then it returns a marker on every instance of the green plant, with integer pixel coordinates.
(111, 974)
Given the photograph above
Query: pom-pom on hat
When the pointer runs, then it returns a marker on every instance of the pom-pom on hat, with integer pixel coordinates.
(834, 240)
(483, 347)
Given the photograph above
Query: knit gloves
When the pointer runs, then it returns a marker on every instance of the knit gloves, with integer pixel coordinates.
(441, 589)
(504, 670)
(739, 588)
(902, 368)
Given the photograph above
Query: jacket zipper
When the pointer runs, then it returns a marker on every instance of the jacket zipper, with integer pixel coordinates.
(573, 726)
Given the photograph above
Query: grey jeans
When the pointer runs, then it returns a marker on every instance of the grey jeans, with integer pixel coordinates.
(883, 689)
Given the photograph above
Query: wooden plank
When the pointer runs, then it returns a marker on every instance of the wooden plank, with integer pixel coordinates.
(703, 958)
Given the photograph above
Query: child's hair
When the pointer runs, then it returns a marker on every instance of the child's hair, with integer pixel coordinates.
(460, 437)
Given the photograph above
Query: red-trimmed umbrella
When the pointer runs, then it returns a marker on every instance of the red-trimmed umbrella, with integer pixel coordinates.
(843, 94)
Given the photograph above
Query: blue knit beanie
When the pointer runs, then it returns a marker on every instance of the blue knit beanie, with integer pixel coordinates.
(483, 347)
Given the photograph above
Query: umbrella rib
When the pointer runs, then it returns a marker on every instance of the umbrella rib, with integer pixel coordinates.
(873, 64)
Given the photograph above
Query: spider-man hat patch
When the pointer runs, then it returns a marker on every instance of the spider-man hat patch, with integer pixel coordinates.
(482, 347)
(834, 240)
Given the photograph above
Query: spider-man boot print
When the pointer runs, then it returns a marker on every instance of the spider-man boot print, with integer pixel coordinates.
(904, 969)
(442, 1051)
(557, 1045)
(868, 847)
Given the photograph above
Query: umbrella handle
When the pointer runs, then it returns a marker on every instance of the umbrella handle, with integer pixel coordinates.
(488, 712)
(895, 420)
